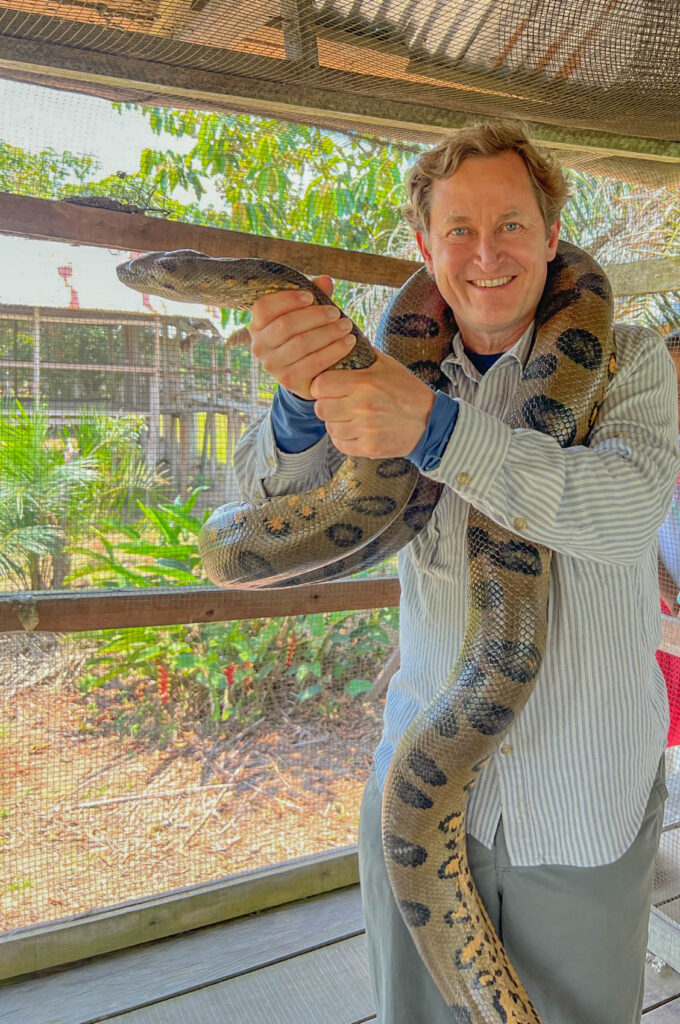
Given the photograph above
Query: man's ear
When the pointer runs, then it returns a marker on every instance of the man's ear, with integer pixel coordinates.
(553, 239)
(427, 256)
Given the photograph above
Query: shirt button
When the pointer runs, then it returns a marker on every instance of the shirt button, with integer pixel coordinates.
(271, 461)
(520, 523)
(506, 749)
(463, 479)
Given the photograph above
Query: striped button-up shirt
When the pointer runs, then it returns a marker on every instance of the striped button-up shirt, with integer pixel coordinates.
(572, 777)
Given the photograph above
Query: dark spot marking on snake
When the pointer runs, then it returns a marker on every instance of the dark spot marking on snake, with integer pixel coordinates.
(517, 556)
(581, 347)
(390, 468)
(373, 505)
(486, 595)
(460, 1015)
(413, 325)
(541, 367)
(550, 417)
(344, 535)
(408, 854)
(452, 918)
(416, 517)
(415, 914)
(333, 569)
(446, 724)
(253, 564)
(277, 528)
(426, 769)
(553, 303)
(596, 283)
(445, 823)
(471, 675)
(478, 540)
(519, 661)
(280, 270)
(427, 370)
(488, 717)
(411, 795)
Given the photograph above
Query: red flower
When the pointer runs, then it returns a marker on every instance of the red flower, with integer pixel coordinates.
(291, 650)
(163, 681)
(229, 674)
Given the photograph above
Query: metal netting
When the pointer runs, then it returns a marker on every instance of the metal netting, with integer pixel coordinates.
(139, 760)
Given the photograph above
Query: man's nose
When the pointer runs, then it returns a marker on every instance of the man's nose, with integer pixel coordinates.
(488, 250)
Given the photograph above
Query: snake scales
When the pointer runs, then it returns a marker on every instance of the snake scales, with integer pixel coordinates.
(370, 509)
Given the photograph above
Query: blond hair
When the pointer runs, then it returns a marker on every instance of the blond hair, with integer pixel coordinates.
(488, 138)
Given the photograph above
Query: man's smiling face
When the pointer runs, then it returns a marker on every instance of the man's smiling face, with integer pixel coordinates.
(488, 249)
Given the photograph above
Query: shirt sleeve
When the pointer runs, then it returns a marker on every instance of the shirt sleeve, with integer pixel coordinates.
(296, 426)
(604, 501)
(427, 454)
(263, 470)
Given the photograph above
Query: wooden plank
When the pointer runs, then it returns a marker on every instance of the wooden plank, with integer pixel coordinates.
(45, 50)
(124, 981)
(660, 986)
(645, 277)
(331, 984)
(64, 222)
(664, 933)
(88, 225)
(27, 950)
(669, 1013)
(77, 611)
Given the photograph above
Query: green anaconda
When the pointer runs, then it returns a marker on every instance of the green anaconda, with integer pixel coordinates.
(370, 509)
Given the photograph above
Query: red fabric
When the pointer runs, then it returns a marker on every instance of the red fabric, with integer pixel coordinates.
(670, 666)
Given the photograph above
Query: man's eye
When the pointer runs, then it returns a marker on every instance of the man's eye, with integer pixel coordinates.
(512, 226)
(458, 232)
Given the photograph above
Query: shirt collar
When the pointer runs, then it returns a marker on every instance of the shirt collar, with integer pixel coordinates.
(519, 352)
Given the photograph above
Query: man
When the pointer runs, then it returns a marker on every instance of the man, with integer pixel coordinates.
(564, 822)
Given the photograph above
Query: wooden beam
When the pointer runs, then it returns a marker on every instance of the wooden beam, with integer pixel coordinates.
(65, 222)
(645, 277)
(88, 225)
(44, 50)
(38, 948)
(299, 32)
(77, 611)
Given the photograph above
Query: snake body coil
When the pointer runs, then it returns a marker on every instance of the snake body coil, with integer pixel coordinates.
(369, 510)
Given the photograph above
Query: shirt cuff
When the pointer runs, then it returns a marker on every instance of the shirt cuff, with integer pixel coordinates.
(427, 454)
(296, 426)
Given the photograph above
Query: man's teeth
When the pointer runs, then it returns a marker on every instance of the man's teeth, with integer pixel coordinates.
(493, 284)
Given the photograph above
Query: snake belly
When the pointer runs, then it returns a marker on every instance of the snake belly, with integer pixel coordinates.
(373, 507)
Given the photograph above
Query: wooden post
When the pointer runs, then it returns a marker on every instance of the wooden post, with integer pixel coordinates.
(36, 357)
(154, 417)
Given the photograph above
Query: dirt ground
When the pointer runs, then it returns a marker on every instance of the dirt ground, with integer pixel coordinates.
(89, 820)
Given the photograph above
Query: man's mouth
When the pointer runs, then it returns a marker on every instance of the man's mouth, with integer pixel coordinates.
(495, 282)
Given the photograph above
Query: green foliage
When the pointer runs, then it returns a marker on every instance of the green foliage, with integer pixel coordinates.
(150, 681)
(41, 492)
(44, 173)
(161, 548)
(47, 480)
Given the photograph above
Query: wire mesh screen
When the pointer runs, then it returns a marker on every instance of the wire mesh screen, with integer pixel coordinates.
(146, 759)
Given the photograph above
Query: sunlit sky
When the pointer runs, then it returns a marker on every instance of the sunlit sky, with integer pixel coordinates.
(35, 118)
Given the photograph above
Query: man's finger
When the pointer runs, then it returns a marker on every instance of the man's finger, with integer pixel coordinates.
(335, 383)
(269, 307)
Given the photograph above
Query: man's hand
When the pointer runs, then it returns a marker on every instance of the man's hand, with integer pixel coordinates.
(294, 340)
(379, 412)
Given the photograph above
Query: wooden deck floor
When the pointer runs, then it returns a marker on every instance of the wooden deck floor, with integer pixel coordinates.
(301, 964)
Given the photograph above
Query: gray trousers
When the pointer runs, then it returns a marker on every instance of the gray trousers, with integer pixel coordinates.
(576, 936)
